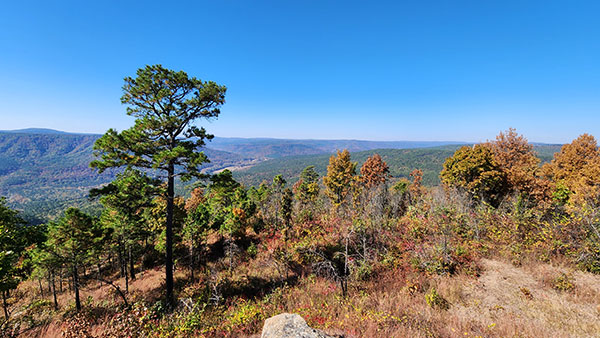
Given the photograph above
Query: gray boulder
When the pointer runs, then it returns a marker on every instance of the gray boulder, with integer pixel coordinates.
(288, 325)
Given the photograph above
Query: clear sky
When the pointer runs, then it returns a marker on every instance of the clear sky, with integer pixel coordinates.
(377, 70)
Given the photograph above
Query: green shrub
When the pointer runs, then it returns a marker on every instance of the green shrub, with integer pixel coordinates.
(363, 271)
(252, 250)
(563, 282)
(436, 301)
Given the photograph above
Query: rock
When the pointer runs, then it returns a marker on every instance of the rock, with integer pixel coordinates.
(288, 325)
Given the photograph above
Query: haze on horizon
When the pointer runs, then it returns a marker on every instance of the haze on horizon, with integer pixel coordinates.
(460, 71)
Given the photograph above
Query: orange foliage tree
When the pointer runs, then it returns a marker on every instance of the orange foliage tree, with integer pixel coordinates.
(576, 171)
(517, 159)
(374, 171)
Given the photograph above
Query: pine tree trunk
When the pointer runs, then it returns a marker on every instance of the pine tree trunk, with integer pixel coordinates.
(121, 259)
(54, 291)
(192, 260)
(49, 282)
(99, 273)
(131, 267)
(41, 288)
(126, 282)
(76, 288)
(169, 236)
(5, 304)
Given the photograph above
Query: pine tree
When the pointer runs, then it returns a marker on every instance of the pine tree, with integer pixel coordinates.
(166, 104)
(72, 240)
(125, 200)
(12, 242)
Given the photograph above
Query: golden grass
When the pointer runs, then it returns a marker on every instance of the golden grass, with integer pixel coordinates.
(504, 301)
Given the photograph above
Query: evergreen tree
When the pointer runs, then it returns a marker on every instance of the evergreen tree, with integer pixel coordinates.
(307, 188)
(12, 241)
(72, 241)
(125, 200)
(166, 104)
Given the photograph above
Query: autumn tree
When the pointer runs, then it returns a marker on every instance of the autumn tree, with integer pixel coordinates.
(474, 170)
(231, 209)
(518, 160)
(155, 218)
(416, 186)
(277, 187)
(166, 104)
(340, 173)
(576, 171)
(374, 171)
(287, 197)
(196, 224)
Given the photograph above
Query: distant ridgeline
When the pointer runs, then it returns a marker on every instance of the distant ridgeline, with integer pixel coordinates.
(42, 171)
(400, 161)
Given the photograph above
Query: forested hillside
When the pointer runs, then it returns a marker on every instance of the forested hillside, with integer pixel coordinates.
(401, 162)
(266, 148)
(43, 170)
(42, 173)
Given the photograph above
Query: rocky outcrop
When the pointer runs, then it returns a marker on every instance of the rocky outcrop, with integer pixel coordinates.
(288, 325)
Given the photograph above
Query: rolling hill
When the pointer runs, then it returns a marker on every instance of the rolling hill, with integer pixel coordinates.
(266, 148)
(43, 171)
(400, 161)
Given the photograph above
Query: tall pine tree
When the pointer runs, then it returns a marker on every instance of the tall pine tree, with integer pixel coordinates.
(166, 104)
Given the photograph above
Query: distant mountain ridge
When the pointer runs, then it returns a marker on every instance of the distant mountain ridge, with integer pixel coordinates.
(44, 170)
(400, 161)
(276, 148)
(34, 131)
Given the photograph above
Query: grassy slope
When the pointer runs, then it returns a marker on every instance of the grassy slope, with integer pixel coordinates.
(495, 304)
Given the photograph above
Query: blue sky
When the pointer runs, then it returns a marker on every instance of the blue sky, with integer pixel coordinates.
(377, 70)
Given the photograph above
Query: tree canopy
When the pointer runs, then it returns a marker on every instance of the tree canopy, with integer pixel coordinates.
(475, 170)
(374, 171)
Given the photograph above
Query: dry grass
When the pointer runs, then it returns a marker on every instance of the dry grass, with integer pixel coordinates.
(492, 305)
(505, 301)
(148, 286)
(499, 300)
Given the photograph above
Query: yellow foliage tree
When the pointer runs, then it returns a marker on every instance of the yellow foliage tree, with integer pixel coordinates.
(474, 170)
(340, 173)
(576, 171)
